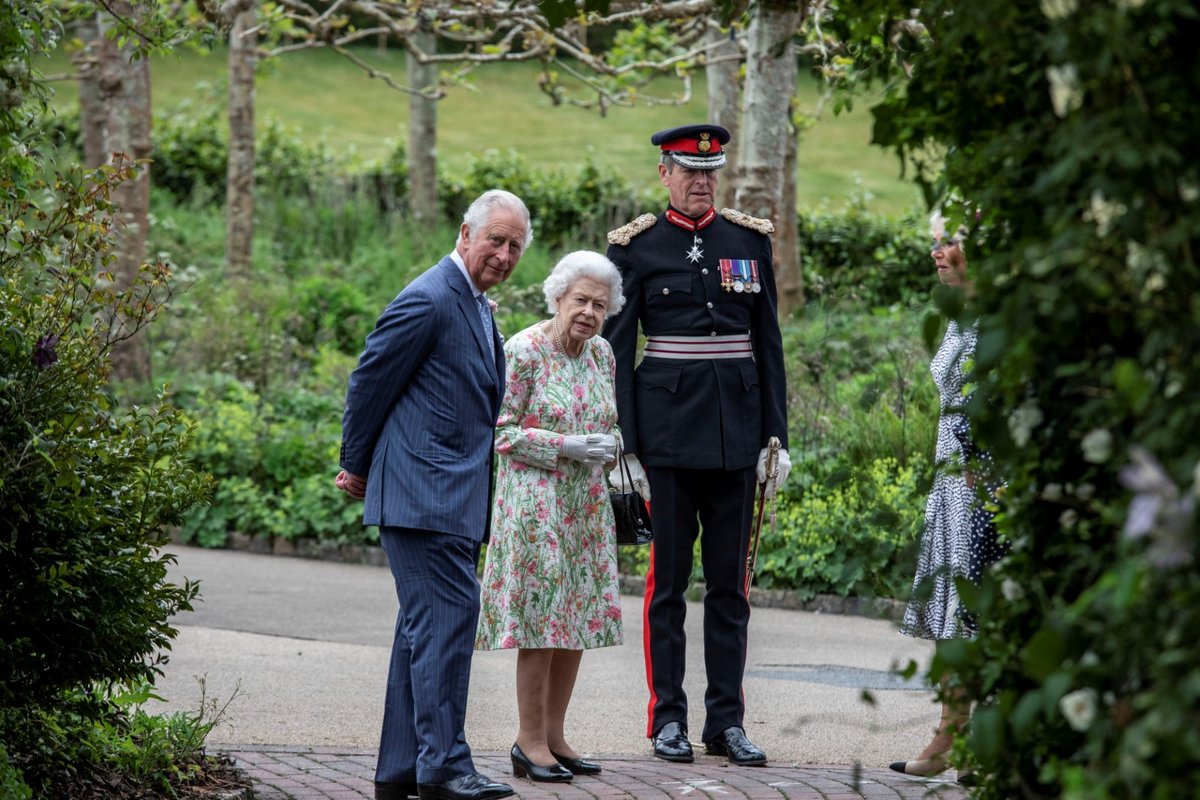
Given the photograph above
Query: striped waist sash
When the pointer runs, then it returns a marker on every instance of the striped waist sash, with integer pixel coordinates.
(695, 348)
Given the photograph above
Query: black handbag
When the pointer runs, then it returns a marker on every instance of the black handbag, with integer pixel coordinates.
(630, 513)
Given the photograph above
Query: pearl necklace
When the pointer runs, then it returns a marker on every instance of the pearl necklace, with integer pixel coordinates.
(559, 340)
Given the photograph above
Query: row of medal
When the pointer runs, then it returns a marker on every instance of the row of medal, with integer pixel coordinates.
(739, 275)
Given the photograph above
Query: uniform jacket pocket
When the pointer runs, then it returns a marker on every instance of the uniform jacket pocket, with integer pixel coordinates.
(658, 377)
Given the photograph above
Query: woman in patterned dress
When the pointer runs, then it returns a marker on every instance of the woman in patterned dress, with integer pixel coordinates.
(550, 578)
(946, 540)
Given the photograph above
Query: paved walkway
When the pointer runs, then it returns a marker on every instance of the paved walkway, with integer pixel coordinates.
(331, 773)
(295, 653)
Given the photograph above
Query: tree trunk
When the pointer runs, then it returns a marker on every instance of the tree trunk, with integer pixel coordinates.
(422, 133)
(791, 283)
(239, 176)
(124, 95)
(91, 108)
(724, 107)
(770, 84)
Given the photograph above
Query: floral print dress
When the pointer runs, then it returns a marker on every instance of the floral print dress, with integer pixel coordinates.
(550, 578)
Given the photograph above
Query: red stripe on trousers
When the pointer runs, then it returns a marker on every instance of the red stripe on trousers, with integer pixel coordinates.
(647, 596)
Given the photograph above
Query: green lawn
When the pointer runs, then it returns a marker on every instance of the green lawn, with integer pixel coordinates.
(323, 95)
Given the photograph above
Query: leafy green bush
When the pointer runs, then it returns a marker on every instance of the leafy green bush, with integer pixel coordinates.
(273, 460)
(850, 537)
(93, 743)
(851, 255)
(569, 211)
(85, 488)
(1069, 126)
(12, 783)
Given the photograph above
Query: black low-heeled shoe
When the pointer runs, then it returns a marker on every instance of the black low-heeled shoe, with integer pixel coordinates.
(524, 767)
(577, 765)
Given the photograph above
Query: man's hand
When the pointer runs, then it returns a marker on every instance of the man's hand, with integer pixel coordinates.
(352, 485)
(640, 482)
(784, 465)
(594, 448)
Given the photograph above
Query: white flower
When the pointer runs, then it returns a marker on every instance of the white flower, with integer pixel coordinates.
(1188, 192)
(1089, 659)
(1066, 94)
(1011, 590)
(1126, 5)
(1053, 492)
(1058, 9)
(1097, 446)
(1022, 421)
(1068, 518)
(1157, 511)
(1079, 708)
(1086, 491)
(1145, 475)
(1103, 212)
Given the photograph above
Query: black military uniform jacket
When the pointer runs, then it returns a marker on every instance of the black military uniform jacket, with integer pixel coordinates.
(697, 414)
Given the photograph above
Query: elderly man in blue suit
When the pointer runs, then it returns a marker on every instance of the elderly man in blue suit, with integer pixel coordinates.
(417, 447)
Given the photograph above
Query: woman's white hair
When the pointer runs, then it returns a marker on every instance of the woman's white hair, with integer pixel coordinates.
(583, 264)
(481, 210)
(937, 229)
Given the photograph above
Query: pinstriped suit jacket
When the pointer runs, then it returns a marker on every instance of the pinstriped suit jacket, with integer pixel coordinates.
(421, 409)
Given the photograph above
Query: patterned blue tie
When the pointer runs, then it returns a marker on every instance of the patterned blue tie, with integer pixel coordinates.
(485, 315)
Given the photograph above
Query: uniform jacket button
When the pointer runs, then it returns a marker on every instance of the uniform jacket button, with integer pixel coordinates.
(709, 305)
(666, 290)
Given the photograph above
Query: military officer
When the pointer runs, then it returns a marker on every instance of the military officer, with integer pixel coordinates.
(696, 416)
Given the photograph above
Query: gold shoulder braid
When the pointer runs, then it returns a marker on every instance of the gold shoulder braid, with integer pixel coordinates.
(625, 233)
(746, 221)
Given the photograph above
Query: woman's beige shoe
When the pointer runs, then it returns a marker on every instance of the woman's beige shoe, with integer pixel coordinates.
(924, 767)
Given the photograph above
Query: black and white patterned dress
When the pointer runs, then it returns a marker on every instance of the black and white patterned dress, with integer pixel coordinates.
(933, 611)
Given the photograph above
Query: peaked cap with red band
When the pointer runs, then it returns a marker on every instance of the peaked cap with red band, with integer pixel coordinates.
(694, 146)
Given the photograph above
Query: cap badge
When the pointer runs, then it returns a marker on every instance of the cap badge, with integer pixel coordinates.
(704, 145)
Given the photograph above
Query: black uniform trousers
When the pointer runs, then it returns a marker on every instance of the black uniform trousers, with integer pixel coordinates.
(717, 505)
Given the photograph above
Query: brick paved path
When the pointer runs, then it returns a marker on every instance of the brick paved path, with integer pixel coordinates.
(290, 773)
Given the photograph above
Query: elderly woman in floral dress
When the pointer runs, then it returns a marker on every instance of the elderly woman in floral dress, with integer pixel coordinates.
(550, 578)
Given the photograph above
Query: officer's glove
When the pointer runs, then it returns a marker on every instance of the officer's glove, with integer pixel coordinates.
(784, 466)
(635, 472)
(594, 448)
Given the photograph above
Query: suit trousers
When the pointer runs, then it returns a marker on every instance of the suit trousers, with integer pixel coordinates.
(426, 705)
(717, 505)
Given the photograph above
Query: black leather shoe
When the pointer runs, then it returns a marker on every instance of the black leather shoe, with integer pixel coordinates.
(733, 744)
(671, 743)
(395, 790)
(465, 787)
(577, 765)
(523, 766)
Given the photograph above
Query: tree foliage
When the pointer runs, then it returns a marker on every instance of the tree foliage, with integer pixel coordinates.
(1068, 127)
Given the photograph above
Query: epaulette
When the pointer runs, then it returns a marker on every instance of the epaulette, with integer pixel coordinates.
(625, 233)
(747, 221)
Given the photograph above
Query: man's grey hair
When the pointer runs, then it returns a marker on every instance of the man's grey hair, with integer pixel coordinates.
(583, 264)
(481, 210)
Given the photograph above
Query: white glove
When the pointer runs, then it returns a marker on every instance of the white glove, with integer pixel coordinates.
(640, 482)
(784, 467)
(594, 448)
